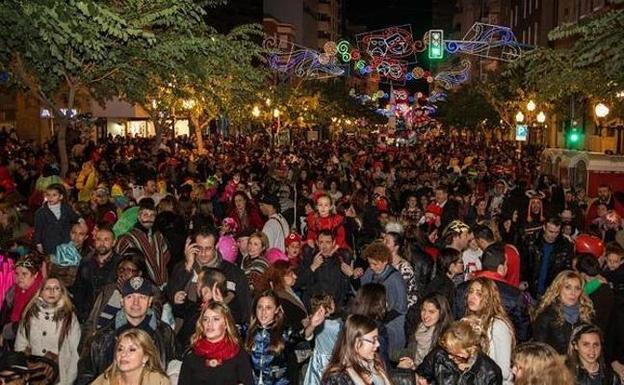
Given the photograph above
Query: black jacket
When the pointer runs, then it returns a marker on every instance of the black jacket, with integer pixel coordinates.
(101, 348)
(327, 279)
(51, 232)
(232, 372)
(437, 368)
(90, 280)
(532, 253)
(606, 375)
(513, 301)
(423, 267)
(236, 283)
(547, 329)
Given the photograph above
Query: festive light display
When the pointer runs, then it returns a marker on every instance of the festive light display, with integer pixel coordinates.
(453, 77)
(293, 60)
(389, 55)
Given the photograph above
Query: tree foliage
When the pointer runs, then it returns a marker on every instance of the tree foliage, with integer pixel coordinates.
(139, 50)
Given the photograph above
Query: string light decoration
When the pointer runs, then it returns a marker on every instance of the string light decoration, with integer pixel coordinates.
(455, 76)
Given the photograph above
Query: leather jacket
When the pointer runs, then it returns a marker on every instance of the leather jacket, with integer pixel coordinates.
(438, 368)
(100, 349)
(532, 253)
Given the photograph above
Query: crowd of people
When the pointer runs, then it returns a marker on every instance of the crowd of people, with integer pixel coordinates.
(453, 261)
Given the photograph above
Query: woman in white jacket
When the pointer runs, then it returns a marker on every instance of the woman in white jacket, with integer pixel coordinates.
(484, 306)
(49, 327)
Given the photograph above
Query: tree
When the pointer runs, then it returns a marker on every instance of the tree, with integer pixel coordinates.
(58, 50)
(468, 107)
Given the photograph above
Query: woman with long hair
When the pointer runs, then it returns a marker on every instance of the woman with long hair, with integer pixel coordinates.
(216, 356)
(394, 241)
(458, 360)
(483, 302)
(246, 214)
(370, 301)
(435, 316)
(267, 341)
(355, 360)
(136, 361)
(254, 264)
(537, 363)
(49, 327)
(281, 277)
(563, 307)
(586, 358)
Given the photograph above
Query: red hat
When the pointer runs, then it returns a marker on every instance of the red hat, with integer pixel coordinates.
(292, 238)
(434, 208)
(589, 244)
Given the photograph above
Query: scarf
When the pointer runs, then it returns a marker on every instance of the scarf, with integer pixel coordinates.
(22, 297)
(571, 313)
(215, 353)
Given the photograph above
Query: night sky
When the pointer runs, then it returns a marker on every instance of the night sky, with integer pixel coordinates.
(376, 14)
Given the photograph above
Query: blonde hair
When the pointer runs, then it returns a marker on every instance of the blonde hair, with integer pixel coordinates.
(63, 313)
(231, 333)
(539, 364)
(142, 339)
(461, 335)
(551, 297)
(491, 309)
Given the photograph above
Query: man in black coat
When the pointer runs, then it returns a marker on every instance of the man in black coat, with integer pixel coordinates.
(95, 272)
(200, 251)
(326, 271)
(495, 268)
(545, 256)
(137, 313)
(450, 207)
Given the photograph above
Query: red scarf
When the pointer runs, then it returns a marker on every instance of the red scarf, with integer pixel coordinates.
(215, 353)
(22, 297)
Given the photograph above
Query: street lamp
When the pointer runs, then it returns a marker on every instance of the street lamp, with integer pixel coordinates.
(531, 106)
(276, 113)
(268, 102)
(519, 117)
(541, 117)
(255, 111)
(601, 110)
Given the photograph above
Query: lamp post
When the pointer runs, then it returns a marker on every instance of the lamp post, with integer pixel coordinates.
(276, 127)
(541, 119)
(601, 111)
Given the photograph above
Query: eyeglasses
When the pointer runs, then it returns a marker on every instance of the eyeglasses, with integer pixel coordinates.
(52, 288)
(373, 341)
(458, 358)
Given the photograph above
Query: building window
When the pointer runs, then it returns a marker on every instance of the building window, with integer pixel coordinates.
(535, 33)
(511, 18)
(529, 39)
(524, 8)
(536, 4)
(530, 7)
(516, 11)
(524, 36)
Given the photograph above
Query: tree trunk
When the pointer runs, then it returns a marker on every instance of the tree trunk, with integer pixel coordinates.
(61, 137)
(159, 127)
(199, 137)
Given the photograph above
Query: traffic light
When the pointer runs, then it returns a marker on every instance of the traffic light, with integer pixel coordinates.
(574, 138)
(436, 44)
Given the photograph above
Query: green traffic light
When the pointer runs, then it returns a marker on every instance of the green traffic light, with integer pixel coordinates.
(574, 137)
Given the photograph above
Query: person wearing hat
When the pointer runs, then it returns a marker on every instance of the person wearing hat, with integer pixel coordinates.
(151, 242)
(293, 248)
(105, 210)
(136, 312)
(276, 227)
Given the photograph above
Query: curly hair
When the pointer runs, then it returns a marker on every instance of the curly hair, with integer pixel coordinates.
(551, 297)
